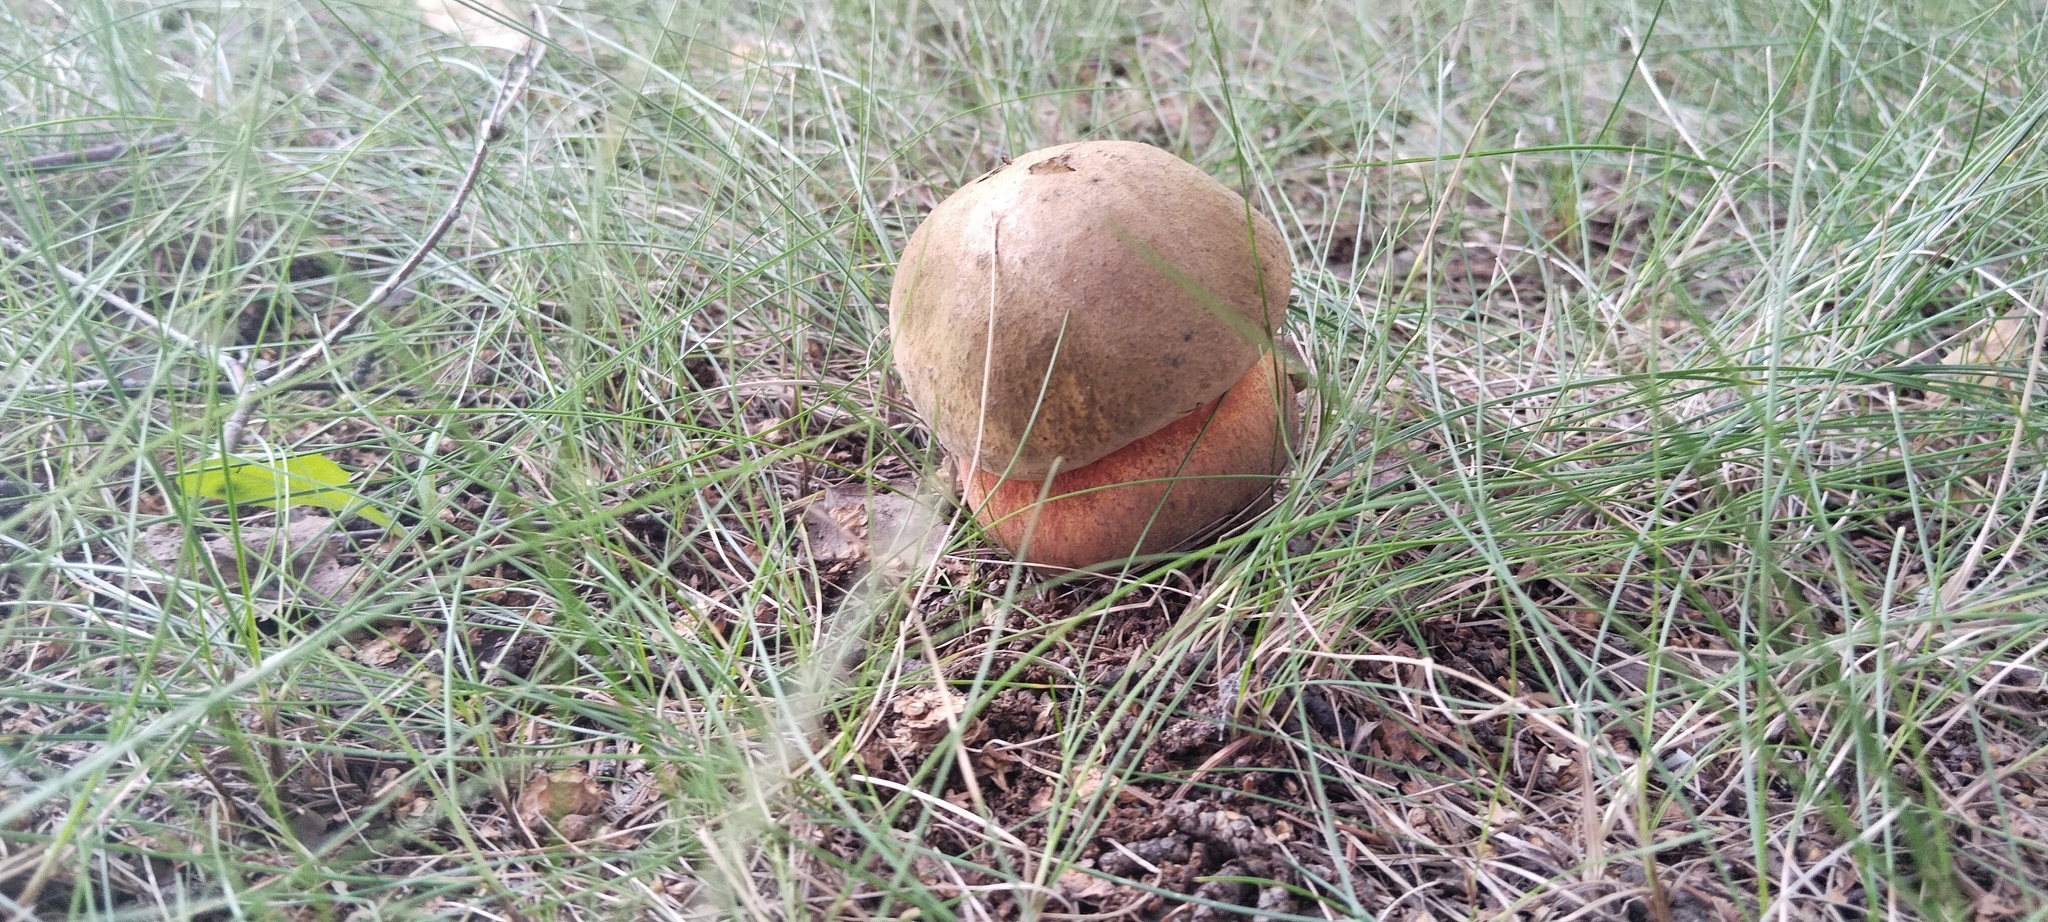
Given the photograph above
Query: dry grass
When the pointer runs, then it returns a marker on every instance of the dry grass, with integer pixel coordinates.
(1665, 545)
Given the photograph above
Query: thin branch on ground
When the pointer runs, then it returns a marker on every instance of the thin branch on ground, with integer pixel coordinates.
(223, 388)
(511, 86)
(93, 156)
(16, 249)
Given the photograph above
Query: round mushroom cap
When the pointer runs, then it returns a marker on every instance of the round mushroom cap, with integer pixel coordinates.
(1079, 298)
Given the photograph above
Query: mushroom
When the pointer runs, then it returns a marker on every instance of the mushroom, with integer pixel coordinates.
(1089, 332)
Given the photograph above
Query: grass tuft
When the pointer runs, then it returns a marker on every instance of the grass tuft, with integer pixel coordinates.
(1666, 543)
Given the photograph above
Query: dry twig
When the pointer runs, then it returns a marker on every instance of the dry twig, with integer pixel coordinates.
(90, 156)
(16, 249)
(223, 388)
(511, 86)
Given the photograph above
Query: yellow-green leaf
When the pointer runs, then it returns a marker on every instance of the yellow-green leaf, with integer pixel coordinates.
(298, 480)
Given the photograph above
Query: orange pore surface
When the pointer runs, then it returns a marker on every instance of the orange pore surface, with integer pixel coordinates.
(1158, 492)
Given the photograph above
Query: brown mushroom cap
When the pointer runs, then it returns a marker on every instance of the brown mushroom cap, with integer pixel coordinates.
(1120, 286)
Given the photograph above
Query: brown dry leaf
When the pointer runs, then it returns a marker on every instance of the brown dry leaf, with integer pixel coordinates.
(564, 801)
(286, 562)
(1998, 343)
(925, 714)
(1091, 781)
(489, 589)
(1990, 908)
(851, 524)
(290, 562)
(379, 652)
(771, 430)
(996, 761)
(163, 543)
(748, 48)
(907, 532)
(392, 643)
(42, 653)
(1077, 884)
(330, 580)
(836, 524)
(916, 720)
(483, 23)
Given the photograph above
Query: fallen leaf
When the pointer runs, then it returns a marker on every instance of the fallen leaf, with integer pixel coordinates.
(550, 801)
(379, 652)
(906, 533)
(925, 714)
(1998, 343)
(1091, 781)
(850, 524)
(163, 543)
(576, 827)
(836, 524)
(1077, 884)
(750, 48)
(392, 642)
(297, 480)
(1990, 907)
(330, 580)
(483, 23)
(290, 562)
